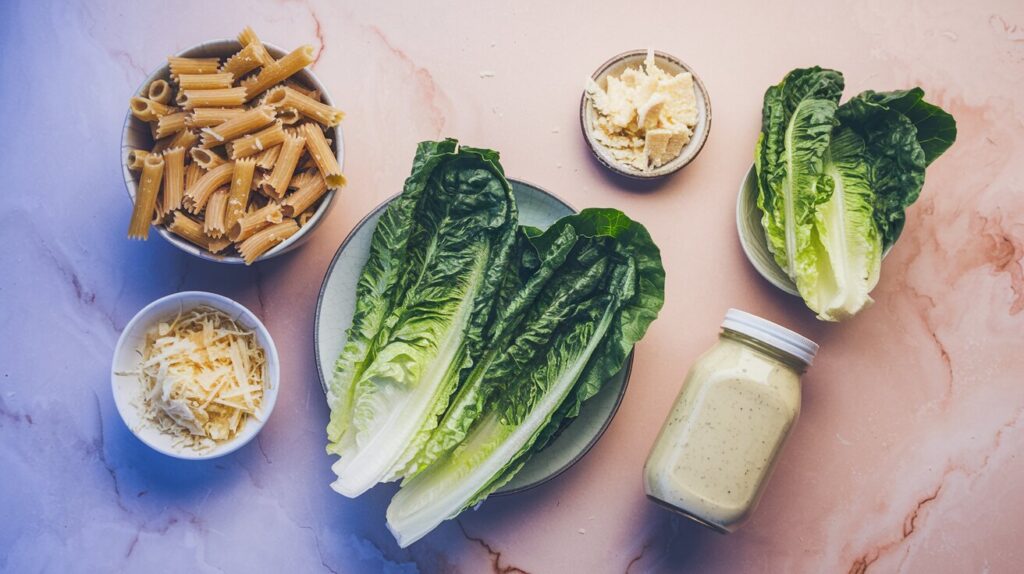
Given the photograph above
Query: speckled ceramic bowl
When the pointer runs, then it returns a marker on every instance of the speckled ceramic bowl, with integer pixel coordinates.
(128, 390)
(136, 135)
(334, 315)
(753, 241)
(673, 66)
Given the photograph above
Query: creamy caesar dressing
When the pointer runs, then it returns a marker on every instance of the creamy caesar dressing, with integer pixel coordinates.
(720, 441)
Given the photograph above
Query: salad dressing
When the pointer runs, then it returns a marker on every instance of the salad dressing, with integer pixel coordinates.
(719, 444)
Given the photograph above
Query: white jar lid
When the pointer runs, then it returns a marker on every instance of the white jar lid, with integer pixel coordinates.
(771, 334)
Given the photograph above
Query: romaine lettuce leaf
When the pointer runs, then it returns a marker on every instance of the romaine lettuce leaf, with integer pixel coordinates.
(851, 249)
(438, 257)
(574, 336)
(799, 115)
(897, 127)
(834, 181)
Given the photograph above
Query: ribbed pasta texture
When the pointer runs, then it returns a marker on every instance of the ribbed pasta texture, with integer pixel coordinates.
(239, 160)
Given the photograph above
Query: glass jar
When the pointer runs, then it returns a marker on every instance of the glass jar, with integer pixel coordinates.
(718, 446)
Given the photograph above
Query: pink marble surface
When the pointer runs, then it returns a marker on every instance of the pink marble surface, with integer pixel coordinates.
(908, 454)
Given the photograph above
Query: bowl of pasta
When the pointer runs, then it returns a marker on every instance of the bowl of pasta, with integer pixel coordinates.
(232, 150)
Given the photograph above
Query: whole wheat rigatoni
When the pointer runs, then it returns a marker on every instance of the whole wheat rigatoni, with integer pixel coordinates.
(174, 180)
(145, 198)
(222, 128)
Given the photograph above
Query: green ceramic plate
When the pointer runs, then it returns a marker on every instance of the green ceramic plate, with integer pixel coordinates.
(334, 315)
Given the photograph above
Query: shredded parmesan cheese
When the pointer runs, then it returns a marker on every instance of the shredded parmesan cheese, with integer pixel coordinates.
(202, 376)
(644, 116)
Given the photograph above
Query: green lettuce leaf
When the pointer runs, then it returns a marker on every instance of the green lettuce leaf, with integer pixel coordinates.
(894, 149)
(574, 336)
(523, 284)
(438, 258)
(834, 182)
(936, 128)
(851, 248)
(799, 115)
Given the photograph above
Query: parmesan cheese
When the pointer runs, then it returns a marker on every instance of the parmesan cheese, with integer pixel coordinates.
(202, 377)
(644, 116)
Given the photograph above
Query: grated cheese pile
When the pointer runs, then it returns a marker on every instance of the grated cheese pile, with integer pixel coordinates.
(202, 377)
(644, 116)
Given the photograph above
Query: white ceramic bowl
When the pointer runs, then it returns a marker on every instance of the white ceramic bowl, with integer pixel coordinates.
(127, 388)
(672, 65)
(136, 135)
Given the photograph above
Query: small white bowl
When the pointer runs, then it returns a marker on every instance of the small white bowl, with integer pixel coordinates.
(672, 65)
(127, 388)
(136, 135)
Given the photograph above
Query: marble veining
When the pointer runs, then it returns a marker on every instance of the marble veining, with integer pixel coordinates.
(907, 454)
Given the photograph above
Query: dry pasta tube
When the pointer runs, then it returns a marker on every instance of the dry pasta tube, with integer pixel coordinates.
(307, 162)
(311, 93)
(147, 110)
(197, 195)
(160, 145)
(184, 139)
(323, 155)
(206, 158)
(249, 38)
(136, 158)
(223, 97)
(159, 91)
(268, 158)
(304, 197)
(262, 241)
(238, 198)
(253, 144)
(181, 65)
(289, 116)
(250, 223)
(205, 81)
(276, 184)
(285, 97)
(145, 197)
(206, 117)
(174, 180)
(169, 124)
(191, 230)
(245, 123)
(192, 174)
(242, 62)
(302, 178)
(216, 210)
(304, 217)
(280, 70)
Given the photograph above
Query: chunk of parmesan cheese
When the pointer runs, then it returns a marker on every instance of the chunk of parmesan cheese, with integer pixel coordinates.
(203, 375)
(644, 116)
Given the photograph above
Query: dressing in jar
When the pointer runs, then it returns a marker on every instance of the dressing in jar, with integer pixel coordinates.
(718, 446)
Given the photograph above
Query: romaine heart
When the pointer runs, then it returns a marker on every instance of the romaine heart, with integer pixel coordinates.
(437, 259)
(601, 285)
(834, 181)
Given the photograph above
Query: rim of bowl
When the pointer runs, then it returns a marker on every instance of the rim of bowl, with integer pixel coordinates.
(226, 45)
(627, 369)
(752, 240)
(235, 309)
(685, 157)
